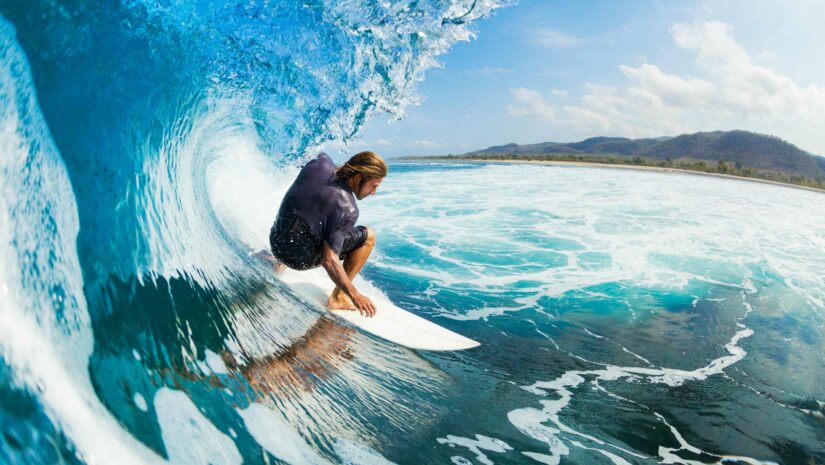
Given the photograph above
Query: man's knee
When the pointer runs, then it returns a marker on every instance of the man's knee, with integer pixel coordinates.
(370, 237)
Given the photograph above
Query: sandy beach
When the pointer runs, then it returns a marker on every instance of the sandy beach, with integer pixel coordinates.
(620, 166)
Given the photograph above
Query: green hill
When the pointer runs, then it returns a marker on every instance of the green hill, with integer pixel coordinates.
(738, 152)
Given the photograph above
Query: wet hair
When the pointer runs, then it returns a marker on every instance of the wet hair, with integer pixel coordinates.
(368, 164)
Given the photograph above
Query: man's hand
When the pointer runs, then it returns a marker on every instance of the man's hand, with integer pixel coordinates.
(339, 276)
(363, 304)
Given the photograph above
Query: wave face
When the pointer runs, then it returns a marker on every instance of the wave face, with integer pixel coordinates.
(144, 148)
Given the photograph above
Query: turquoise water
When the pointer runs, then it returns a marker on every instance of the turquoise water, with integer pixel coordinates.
(624, 316)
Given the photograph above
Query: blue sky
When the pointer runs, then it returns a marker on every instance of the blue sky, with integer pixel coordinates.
(564, 71)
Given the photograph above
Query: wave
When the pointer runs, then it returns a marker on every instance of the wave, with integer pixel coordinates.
(144, 147)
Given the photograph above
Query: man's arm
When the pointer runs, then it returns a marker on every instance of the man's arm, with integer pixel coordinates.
(339, 276)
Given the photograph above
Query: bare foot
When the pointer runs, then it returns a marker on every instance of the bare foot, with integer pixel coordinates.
(342, 302)
(264, 256)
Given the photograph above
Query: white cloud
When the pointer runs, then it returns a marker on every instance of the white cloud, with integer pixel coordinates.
(552, 38)
(531, 103)
(382, 143)
(668, 88)
(743, 85)
(560, 93)
(729, 90)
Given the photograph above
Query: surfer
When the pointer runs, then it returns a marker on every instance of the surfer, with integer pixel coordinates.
(316, 224)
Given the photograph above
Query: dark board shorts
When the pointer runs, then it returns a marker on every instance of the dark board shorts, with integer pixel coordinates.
(294, 244)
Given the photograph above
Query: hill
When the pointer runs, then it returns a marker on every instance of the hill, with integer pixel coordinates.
(740, 149)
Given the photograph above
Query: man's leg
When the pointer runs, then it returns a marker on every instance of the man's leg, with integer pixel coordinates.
(352, 266)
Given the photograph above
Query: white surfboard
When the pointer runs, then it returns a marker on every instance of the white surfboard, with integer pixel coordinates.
(389, 322)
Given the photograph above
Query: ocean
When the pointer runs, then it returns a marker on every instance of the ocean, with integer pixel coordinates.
(625, 317)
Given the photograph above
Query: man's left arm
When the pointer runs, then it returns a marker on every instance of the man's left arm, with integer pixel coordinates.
(338, 275)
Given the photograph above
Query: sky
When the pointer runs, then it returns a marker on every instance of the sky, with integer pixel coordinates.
(564, 71)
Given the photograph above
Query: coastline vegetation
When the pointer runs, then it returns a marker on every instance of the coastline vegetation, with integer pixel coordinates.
(687, 164)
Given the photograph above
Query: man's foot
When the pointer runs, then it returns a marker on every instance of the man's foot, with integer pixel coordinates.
(340, 302)
(264, 256)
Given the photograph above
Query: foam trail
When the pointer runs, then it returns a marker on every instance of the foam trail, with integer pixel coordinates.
(477, 445)
(669, 457)
(613, 457)
(531, 421)
(636, 355)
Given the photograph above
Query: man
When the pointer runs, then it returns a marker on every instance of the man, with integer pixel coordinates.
(316, 224)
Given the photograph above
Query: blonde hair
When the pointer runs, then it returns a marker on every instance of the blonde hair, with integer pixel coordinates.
(368, 164)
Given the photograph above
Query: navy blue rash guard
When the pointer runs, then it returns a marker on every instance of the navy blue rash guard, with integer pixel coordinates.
(316, 209)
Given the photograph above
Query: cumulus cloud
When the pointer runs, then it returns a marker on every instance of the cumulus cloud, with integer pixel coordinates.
(529, 102)
(729, 89)
(671, 89)
(743, 85)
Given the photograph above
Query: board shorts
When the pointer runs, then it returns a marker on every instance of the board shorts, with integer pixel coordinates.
(294, 244)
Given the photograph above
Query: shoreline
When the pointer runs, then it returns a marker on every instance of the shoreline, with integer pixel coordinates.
(611, 165)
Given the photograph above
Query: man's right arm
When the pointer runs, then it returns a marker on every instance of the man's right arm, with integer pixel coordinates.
(339, 276)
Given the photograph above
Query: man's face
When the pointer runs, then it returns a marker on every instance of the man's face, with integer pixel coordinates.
(368, 187)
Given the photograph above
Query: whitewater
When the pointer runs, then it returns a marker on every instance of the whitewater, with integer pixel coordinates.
(625, 316)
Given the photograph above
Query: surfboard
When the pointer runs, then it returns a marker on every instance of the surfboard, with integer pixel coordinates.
(389, 322)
